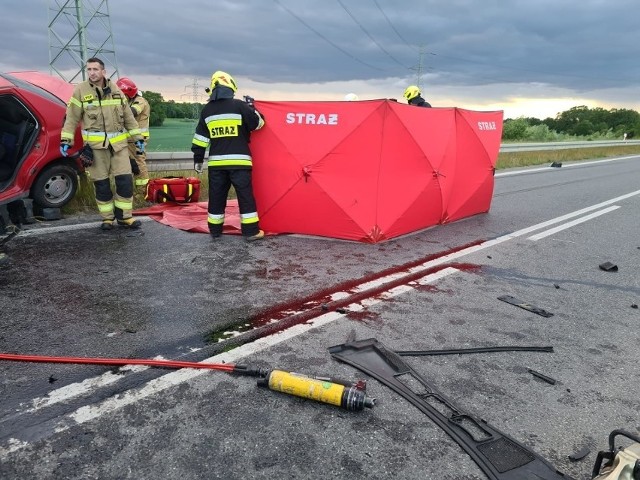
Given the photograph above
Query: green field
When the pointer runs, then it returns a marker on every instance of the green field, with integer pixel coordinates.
(175, 135)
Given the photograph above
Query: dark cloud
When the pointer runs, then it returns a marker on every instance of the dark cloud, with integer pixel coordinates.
(578, 45)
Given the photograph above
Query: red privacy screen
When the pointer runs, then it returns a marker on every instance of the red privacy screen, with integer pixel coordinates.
(371, 170)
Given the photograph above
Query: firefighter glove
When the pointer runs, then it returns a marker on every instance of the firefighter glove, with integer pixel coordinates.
(249, 100)
(86, 156)
(198, 167)
(140, 146)
(135, 169)
(63, 149)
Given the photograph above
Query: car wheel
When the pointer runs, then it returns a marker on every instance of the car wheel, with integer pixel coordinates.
(55, 186)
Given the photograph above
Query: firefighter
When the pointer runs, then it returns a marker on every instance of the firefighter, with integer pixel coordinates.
(141, 111)
(107, 123)
(225, 127)
(413, 96)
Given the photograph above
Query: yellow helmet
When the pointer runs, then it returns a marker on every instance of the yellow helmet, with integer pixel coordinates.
(224, 79)
(411, 92)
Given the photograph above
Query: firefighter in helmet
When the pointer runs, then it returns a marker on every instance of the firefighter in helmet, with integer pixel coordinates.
(141, 111)
(107, 124)
(413, 96)
(225, 128)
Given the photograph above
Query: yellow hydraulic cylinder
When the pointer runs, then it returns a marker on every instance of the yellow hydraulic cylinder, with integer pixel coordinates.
(349, 397)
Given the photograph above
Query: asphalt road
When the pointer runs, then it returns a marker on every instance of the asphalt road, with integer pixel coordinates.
(76, 291)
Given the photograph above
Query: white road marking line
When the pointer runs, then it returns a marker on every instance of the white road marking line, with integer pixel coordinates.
(80, 388)
(68, 228)
(559, 228)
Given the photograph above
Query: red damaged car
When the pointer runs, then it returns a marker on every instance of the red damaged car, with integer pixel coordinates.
(32, 110)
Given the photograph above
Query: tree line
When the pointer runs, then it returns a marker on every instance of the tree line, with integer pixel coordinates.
(161, 109)
(582, 121)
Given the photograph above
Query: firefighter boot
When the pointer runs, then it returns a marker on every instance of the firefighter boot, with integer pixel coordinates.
(129, 222)
(257, 236)
(124, 202)
(107, 224)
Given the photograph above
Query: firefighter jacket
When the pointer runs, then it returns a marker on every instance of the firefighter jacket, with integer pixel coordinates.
(141, 111)
(105, 115)
(225, 127)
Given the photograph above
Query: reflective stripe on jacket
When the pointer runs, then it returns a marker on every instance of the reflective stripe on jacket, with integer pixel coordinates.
(106, 117)
(142, 110)
(225, 128)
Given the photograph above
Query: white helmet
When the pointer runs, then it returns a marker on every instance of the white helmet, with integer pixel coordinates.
(351, 97)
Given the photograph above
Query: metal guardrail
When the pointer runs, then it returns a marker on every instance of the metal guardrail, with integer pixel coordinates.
(531, 147)
(169, 161)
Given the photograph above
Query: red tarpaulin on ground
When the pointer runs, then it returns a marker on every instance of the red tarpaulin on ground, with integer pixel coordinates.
(365, 171)
(192, 217)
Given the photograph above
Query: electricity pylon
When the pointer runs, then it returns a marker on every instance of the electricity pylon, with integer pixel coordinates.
(195, 96)
(79, 30)
(419, 68)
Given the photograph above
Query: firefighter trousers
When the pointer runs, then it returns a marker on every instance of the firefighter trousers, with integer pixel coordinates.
(142, 177)
(220, 181)
(107, 163)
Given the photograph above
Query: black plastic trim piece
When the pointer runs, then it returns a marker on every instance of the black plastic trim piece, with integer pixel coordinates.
(456, 351)
(519, 303)
(499, 456)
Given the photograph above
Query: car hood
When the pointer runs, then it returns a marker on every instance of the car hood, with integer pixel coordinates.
(54, 85)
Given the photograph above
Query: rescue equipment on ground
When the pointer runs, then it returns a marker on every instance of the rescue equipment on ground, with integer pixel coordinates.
(499, 456)
(621, 463)
(173, 189)
(347, 395)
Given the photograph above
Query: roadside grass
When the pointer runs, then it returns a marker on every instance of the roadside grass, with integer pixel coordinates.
(175, 135)
(526, 159)
(84, 202)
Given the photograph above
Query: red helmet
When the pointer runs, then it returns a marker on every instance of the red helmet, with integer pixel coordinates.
(127, 86)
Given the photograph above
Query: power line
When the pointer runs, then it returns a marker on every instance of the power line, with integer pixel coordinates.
(369, 35)
(325, 38)
(394, 28)
(522, 69)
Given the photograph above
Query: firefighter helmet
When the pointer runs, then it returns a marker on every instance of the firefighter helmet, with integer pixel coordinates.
(351, 97)
(223, 79)
(411, 92)
(127, 86)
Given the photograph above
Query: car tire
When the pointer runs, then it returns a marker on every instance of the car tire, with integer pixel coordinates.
(55, 186)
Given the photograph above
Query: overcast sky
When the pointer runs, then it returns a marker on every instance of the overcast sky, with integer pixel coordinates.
(526, 57)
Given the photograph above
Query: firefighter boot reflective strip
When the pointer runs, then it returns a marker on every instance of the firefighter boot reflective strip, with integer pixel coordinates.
(350, 398)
